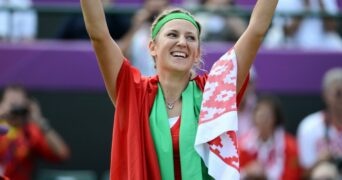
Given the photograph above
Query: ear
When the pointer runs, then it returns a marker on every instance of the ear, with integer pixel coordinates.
(152, 47)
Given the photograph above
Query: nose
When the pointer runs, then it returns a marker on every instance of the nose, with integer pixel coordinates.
(182, 41)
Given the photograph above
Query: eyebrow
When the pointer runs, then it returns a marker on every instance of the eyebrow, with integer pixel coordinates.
(187, 32)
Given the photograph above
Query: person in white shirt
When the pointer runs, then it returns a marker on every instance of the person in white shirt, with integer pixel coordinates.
(320, 133)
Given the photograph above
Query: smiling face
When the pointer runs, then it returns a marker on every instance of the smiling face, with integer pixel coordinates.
(176, 47)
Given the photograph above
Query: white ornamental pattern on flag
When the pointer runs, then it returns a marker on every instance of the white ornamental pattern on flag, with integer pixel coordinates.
(216, 140)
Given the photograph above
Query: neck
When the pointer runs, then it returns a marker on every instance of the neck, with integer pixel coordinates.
(173, 85)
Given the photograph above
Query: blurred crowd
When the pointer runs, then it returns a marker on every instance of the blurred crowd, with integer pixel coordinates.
(303, 24)
(267, 150)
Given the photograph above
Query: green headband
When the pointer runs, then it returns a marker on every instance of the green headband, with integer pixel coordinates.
(172, 16)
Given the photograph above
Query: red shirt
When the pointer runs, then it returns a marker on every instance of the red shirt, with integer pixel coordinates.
(175, 144)
(20, 150)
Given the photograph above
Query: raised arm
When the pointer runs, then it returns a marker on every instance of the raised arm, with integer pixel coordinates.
(109, 55)
(248, 44)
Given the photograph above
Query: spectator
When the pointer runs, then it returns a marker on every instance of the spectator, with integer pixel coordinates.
(29, 136)
(285, 24)
(135, 42)
(268, 150)
(301, 25)
(320, 32)
(320, 133)
(18, 21)
(218, 26)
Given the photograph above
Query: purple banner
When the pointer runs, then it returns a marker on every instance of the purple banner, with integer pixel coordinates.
(50, 65)
(58, 65)
(285, 70)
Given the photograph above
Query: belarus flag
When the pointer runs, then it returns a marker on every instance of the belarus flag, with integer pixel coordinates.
(216, 140)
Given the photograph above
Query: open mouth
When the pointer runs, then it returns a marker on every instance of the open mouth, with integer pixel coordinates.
(179, 54)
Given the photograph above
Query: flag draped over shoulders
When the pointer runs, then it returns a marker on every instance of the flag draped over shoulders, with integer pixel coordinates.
(216, 140)
(133, 155)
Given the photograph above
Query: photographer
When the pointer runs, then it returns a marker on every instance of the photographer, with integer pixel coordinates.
(29, 135)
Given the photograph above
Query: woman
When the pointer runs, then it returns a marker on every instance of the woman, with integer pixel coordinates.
(175, 48)
(268, 151)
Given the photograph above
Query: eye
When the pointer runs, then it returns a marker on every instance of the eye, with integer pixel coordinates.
(191, 38)
(172, 34)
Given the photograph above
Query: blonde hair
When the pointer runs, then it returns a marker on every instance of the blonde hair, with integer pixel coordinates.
(197, 66)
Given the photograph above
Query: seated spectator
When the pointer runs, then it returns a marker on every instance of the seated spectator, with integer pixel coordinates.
(320, 32)
(217, 26)
(285, 24)
(268, 151)
(29, 136)
(18, 22)
(320, 133)
(300, 26)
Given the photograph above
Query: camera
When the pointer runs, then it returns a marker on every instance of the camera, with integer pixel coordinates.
(21, 111)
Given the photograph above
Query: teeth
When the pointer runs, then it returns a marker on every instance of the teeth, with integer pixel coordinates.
(179, 54)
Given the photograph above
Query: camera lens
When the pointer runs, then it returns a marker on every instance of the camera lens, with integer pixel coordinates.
(19, 111)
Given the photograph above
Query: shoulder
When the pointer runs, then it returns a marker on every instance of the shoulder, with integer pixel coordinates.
(312, 121)
(201, 80)
(129, 73)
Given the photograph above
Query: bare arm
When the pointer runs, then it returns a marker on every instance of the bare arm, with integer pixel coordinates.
(248, 44)
(109, 55)
(56, 143)
(53, 139)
